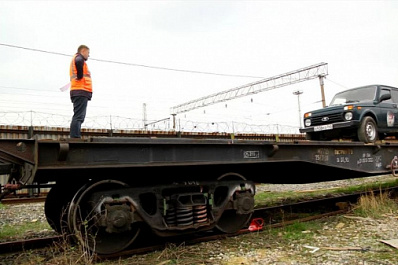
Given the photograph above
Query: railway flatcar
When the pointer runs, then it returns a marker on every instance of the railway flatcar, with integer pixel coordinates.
(106, 191)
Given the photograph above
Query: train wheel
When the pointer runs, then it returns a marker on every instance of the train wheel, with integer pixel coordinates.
(84, 224)
(230, 221)
(56, 206)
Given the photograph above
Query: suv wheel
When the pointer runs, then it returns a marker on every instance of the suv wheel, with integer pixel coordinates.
(367, 131)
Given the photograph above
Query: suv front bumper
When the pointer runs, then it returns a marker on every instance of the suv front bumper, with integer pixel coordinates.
(331, 126)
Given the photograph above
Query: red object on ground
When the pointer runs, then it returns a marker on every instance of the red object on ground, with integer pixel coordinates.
(256, 224)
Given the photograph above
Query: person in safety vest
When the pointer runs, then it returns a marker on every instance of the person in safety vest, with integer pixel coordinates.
(80, 89)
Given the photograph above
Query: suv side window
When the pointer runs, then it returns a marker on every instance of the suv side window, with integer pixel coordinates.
(387, 91)
(394, 95)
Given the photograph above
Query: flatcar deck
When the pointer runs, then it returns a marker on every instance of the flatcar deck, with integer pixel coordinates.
(311, 160)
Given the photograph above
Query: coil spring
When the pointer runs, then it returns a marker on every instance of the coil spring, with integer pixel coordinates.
(200, 214)
(170, 217)
(184, 216)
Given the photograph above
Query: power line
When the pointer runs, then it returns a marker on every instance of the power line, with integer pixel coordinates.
(59, 94)
(334, 82)
(131, 64)
(22, 88)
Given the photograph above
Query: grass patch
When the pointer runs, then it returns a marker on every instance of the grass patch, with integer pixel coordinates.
(272, 198)
(375, 205)
(297, 231)
(276, 198)
(369, 186)
(21, 230)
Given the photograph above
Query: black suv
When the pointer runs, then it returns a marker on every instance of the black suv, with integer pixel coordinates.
(367, 114)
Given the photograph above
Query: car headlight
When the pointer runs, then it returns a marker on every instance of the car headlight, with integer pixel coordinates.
(348, 116)
(307, 122)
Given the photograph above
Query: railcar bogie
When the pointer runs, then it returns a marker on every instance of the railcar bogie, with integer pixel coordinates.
(115, 212)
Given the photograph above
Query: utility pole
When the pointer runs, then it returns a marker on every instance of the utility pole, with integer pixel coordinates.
(298, 93)
(322, 90)
(174, 121)
(144, 116)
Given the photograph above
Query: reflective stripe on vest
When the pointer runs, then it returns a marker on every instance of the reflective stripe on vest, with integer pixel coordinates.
(85, 82)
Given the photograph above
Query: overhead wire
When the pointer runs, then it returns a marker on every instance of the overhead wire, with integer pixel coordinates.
(23, 88)
(128, 64)
(132, 64)
(100, 60)
(334, 82)
(106, 61)
(59, 96)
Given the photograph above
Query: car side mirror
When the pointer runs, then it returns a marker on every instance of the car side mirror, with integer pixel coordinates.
(385, 97)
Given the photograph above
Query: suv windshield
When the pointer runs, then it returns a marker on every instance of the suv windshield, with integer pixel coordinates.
(354, 95)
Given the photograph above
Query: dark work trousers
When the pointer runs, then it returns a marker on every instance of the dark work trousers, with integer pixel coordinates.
(79, 113)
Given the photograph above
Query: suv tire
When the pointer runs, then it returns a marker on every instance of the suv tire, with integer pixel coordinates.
(367, 131)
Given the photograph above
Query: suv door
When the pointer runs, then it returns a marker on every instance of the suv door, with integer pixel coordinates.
(394, 99)
(388, 115)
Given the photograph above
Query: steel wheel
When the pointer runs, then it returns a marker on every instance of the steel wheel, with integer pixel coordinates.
(230, 221)
(56, 206)
(83, 221)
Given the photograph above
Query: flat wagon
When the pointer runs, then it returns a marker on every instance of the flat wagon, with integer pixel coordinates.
(106, 190)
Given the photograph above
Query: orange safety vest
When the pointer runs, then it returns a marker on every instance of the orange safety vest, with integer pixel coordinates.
(82, 84)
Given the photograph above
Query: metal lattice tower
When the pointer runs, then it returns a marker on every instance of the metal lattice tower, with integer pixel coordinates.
(314, 71)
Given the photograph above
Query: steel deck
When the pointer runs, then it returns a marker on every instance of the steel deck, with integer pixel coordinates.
(262, 161)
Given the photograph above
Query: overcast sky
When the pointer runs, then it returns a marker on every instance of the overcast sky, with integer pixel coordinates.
(237, 41)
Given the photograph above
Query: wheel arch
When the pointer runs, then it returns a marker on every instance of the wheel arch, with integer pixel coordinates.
(369, 113)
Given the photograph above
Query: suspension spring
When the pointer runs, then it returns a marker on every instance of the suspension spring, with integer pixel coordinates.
(170, 217)
(200, 213)
(184, 216)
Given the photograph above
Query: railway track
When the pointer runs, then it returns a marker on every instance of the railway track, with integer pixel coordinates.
(263, 218)
(21, 200)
